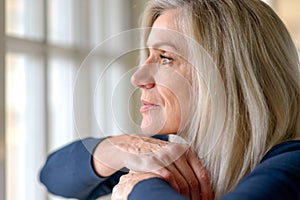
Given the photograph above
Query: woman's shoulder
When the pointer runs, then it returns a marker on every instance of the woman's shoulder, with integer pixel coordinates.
(276, 177)
(283, 159)
(288, 147)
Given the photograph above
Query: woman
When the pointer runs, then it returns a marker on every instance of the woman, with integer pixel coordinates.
(250, 144)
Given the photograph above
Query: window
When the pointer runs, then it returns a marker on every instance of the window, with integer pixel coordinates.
(45, 43)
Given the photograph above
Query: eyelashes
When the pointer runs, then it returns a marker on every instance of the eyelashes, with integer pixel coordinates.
(165, 60)
(162, 59)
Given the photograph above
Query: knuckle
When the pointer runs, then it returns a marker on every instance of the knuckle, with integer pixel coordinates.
(177, 149)
(168, 176)
(160, 172)
(204, 175)
(182, 159)
(123, 178)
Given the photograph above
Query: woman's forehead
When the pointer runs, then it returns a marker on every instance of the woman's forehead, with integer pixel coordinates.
(159, 38)
(168, 40)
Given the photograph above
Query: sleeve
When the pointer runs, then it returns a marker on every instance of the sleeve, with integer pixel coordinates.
(68, 172)
(155, 188)
(274, 179)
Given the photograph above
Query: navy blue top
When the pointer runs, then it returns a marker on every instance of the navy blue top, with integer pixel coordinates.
(68, 172)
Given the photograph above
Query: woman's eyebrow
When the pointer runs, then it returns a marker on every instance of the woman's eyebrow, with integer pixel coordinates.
(166, 46)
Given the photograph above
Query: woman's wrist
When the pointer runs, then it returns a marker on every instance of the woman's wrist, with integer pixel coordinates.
(98, 162)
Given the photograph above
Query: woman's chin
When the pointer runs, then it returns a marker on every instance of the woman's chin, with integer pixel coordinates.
(150, 129)
(152, 123)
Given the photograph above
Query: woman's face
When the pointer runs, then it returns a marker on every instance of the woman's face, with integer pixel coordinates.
(162, 79)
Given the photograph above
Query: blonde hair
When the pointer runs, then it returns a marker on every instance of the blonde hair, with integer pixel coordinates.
(259, 69)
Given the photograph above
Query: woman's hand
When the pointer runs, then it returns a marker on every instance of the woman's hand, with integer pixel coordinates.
(176, 163)
(188, 177)
(127, 182)
(135, 152)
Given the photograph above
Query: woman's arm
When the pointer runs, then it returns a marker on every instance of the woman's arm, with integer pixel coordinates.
(277, 177)
(155, 188)
(68, 172)
(73, 171)
(151, 185)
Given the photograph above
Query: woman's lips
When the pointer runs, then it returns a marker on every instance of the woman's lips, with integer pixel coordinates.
(147, 106)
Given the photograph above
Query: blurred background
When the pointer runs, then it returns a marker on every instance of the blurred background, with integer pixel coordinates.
(42, 45)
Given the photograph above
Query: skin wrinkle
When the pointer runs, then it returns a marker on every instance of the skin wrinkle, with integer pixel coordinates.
(164, 85)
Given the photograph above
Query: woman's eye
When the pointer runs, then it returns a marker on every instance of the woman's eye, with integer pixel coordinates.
(165, 60)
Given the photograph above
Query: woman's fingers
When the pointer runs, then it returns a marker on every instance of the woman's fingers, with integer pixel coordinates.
(180, 174)
(127, 182)
(202, 176)
(192, 182)
(174, 178)
(188, 176)
(176, 163)
(131, 151)
(122, 189)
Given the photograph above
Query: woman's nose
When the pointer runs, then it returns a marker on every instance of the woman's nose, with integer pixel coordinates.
(144, 76)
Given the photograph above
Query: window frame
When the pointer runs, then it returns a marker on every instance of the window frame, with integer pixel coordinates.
(2, 99)
(44, 49)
